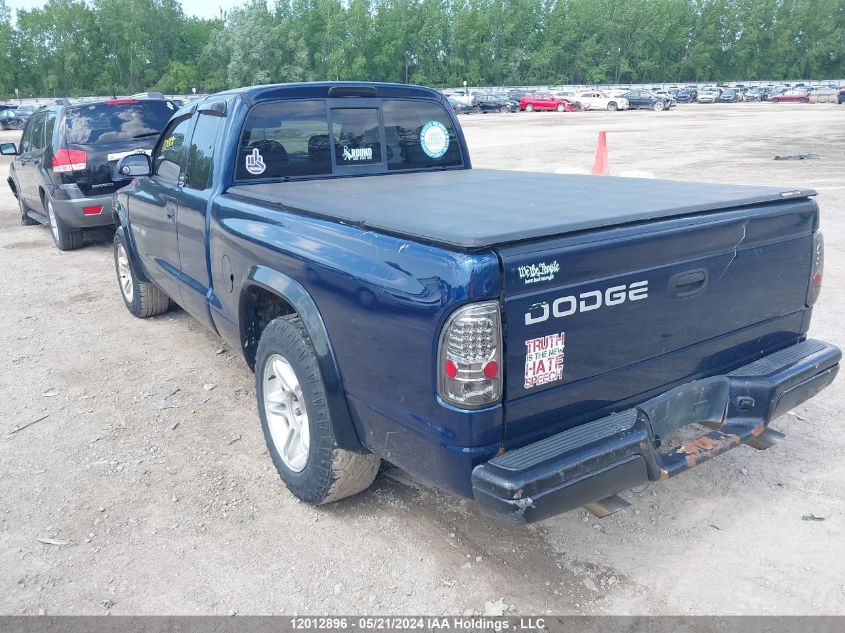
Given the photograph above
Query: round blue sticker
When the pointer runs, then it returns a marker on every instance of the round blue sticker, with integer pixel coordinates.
(434, 139)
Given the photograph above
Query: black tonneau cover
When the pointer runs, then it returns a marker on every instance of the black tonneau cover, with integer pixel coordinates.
(475, 208)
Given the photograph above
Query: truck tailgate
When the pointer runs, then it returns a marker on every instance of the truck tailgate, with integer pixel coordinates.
(599, 321)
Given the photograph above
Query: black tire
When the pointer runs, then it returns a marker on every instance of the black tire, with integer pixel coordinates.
(66, 239)
(659, 106)
(529, 108)
(803, 100)
(504, 109)
(612, 107)
(330, 473)
(476, 110)
(25, 219)
(146, 299)
(561, 107)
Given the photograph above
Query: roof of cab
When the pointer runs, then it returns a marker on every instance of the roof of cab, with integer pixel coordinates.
(320, 90)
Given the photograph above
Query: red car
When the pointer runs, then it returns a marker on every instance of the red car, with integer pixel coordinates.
(545, 101)
(801, 96)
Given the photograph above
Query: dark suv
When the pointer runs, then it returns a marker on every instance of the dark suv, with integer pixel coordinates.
(65, 170)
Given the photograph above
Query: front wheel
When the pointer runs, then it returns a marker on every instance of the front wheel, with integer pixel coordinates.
(476, 110)
(775, 100)
(142, 299)
(612, 107)
(803, 101)
(659, 106)
(561, 107)
(296, 421)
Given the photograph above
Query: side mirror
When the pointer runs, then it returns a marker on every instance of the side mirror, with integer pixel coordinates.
(8, 149)
(134, 165)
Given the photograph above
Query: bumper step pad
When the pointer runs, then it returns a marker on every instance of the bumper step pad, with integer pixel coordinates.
(587, 465)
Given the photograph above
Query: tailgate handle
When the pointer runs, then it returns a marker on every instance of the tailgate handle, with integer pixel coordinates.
(688, 283)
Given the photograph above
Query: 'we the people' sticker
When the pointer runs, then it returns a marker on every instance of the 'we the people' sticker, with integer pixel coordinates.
(434, 139)
(544, 359)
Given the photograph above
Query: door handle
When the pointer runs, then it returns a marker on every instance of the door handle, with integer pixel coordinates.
(688, 283)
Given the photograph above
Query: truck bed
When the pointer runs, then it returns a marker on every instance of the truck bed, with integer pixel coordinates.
(477, 208)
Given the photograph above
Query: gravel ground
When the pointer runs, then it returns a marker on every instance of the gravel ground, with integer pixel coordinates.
(147, 489)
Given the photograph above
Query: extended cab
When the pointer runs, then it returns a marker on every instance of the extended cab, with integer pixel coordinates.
(532, 354)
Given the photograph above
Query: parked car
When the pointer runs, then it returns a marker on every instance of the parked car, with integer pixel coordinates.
(709, 95)
(794, 95)
(14, 119)
(647, 100)
(595, 100)
(823, 94)
(516, 95)
(777, 91)
(254, 214)
(757, 94)
(65, 170)
(545, 101)
(485, 102)
(686, 95)
(840, 98)
(458, 107)
(729, 95)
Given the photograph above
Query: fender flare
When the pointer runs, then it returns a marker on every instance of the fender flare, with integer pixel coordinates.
(121, 220)
(293, 293)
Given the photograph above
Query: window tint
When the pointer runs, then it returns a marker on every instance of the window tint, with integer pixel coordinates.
(36, 139)
(26, 139)
(356, 135)
(107, 123)
(419, 134)
(168, 153)
(201, 151)
(48, 130)
(283, 139)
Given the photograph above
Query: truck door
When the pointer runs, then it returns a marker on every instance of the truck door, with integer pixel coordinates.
(193, 207)
(153, 209)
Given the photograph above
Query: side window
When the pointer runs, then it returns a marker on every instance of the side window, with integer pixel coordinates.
(38, 133)
(168, 153)
(201, 151)
(284, 139)
(26, 138)
(48, 130)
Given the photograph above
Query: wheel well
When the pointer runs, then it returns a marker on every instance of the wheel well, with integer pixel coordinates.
(11, 182)
(258, 308)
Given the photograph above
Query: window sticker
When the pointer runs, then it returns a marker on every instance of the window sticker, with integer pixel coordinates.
(544, 359)
(255, 163)
(357, 153)
(434, 139)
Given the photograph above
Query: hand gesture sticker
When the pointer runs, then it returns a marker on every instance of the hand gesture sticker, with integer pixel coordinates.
(255, 163)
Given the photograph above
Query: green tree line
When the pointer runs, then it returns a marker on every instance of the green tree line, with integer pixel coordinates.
(72, 47)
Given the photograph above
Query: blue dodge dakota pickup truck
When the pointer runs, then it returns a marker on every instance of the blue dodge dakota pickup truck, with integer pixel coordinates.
(475, 327)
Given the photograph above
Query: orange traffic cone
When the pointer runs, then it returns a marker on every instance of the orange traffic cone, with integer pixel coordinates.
(600, 165)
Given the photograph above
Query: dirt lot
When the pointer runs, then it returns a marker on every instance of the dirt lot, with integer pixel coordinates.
(178, 510)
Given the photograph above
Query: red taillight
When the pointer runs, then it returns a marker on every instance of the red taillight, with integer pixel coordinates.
(67, 160)
(491, 370)
(92, 210)
(450, 368)
(120, 101)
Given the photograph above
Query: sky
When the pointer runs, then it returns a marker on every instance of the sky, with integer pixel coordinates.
(198, 8)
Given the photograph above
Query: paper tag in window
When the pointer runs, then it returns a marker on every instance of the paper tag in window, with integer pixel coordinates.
(544, 359)
(434, 139)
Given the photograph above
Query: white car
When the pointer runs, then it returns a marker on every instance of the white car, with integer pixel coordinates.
(709, 95)
(595, 100)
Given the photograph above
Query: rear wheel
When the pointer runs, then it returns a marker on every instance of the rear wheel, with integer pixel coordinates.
(774, 100)
(66, 239)
(658, 106)
(803, 100)
(476, 110)
(504, 109)
(25, 219)
(529, 108)
(612, 106)
(142, 299)
(295, 419)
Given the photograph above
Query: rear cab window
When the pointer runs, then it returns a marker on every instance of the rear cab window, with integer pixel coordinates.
(116, 121)
(325, 137)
